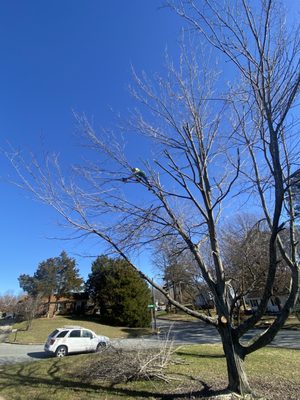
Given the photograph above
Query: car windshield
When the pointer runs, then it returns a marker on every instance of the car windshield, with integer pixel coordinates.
(54, 333)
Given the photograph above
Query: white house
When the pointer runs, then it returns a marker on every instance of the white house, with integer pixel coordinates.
(275, 303)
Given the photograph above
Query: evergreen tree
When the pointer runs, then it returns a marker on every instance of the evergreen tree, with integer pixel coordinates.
(55, 276)
(122, 295)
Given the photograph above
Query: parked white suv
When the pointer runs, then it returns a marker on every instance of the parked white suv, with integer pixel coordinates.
(74, 339)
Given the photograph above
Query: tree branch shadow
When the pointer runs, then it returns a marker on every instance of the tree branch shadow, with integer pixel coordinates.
(197, 355)
(52, 382)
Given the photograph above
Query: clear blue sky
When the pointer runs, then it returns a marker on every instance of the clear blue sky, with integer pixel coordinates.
(57, 56)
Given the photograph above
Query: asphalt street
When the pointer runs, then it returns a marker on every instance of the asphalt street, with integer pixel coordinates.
(179, 332)
(199, 332)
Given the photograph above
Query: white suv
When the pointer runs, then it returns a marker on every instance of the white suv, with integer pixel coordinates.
(74, 339)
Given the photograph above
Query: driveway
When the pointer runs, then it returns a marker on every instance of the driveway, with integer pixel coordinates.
(180, 332)
(14, 353)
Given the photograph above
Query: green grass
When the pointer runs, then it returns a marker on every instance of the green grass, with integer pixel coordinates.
(42, 327)
(273, 373)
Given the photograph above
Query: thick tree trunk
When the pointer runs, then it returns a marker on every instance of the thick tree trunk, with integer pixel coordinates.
(237, 378)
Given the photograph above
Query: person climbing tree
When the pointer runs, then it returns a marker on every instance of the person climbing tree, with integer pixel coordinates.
(138, 175)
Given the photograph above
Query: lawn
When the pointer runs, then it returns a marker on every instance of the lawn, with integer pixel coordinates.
(42, 327)
(198, 371)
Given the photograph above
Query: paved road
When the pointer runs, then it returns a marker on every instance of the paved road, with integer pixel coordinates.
(180, 332)
(199, 332)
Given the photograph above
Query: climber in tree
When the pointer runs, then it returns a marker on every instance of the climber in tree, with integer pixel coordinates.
(138, 175)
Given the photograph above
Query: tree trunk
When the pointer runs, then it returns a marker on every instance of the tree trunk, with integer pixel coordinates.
(49, 303)
(237, 378)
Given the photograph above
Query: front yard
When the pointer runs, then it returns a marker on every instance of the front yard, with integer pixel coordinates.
(42, 327)
(197, 371)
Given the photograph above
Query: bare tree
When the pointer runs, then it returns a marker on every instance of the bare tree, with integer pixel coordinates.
(245, 246)
(266, 56)
(217, 148)
(27, 309)
(8, 303)
(179, 272)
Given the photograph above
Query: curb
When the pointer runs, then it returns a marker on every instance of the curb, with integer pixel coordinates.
(24, 344)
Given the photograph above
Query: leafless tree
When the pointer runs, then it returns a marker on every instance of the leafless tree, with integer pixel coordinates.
(245, 250)
(178, 270)
(27, 309)
(266, 56)
(217, 147)
(8, 303)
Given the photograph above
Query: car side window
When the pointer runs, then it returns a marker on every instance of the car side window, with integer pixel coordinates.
(62, 334)
(87, 334)
(75, 334)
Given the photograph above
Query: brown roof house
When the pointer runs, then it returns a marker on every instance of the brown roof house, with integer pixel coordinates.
(73, 303)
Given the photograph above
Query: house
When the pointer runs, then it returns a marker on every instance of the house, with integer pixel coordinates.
(74, 303)
(274, 305)
(204, 301)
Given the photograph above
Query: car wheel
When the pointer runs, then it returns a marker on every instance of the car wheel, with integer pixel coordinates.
(101, 346)
(61, 351)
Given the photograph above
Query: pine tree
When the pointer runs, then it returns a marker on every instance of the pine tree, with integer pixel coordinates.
(55, 276)
(122, 295)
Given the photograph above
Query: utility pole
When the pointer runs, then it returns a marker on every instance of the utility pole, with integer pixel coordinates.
(153, 310)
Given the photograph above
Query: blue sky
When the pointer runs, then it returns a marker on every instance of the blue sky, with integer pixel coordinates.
(58, 56)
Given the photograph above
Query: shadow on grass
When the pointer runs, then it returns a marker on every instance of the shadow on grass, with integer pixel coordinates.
(53, 381)
(197, 355)
(136, 332)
